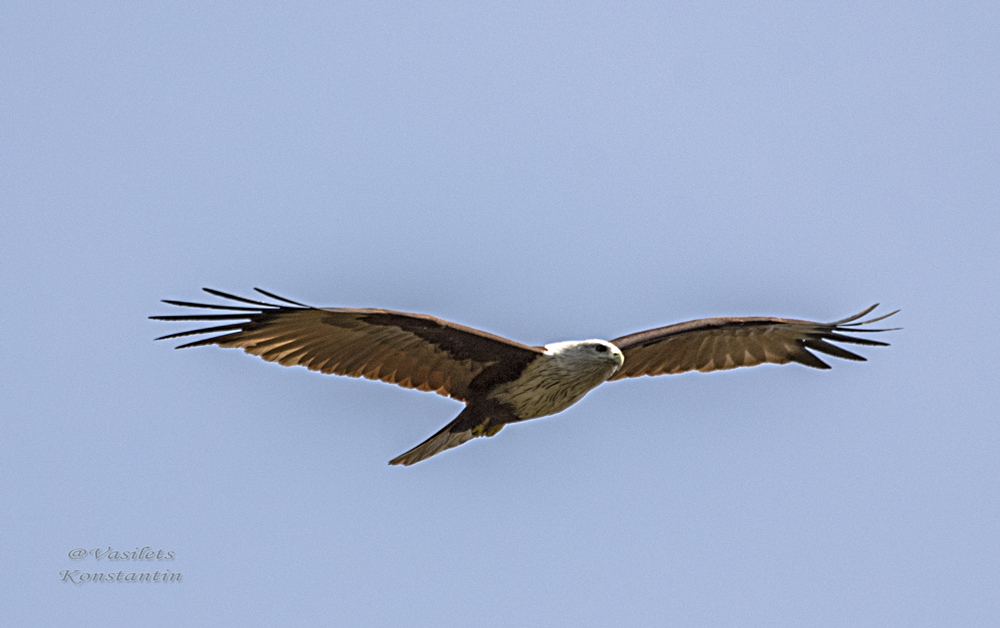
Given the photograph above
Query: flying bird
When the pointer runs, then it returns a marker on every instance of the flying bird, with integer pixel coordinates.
(501, 381)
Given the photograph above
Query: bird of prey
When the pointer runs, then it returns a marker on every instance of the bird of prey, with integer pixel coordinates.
(501, 381)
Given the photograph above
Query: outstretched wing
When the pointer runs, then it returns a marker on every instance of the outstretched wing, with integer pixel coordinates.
(714, 344)
(410, 350)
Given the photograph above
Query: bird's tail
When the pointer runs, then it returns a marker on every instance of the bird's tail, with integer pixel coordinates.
(464, 428)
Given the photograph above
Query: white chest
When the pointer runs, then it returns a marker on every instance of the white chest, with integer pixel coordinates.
(551, 384)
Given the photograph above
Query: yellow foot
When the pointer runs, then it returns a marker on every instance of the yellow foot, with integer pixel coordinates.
(485, 429)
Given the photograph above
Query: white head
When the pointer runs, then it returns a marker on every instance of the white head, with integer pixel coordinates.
(579, 354)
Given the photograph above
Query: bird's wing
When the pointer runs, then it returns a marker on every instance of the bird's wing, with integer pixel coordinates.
(714, 344)
(410, 350)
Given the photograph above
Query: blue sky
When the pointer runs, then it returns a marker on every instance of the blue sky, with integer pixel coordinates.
(546, 172)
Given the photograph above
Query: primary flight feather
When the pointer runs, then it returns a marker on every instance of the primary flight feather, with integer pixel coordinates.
(501, 381)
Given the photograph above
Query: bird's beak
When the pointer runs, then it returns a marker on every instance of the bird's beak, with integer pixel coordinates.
(619, 358)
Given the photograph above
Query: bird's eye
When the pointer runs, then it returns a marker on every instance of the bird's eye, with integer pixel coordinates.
(601, 349)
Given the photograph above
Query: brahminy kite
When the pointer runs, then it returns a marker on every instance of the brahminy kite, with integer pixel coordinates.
(502, 381)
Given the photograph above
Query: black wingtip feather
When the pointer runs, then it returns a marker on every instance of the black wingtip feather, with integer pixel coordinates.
(283, 299)
(211, 306)
(203, 342)
(851, 339)
(818, 344)
(855, 317)
(233, 297)
(202, 317)
(809, 359)
(204, 330)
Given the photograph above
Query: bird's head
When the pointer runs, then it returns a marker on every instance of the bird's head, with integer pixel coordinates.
(588, 352)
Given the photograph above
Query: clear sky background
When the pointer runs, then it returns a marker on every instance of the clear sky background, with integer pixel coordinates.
(543, 171)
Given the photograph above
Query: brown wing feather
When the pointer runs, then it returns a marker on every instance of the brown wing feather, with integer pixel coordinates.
(410, 350)
(713, 344)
